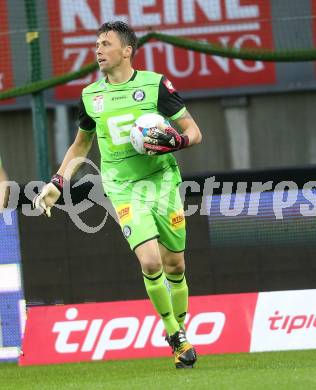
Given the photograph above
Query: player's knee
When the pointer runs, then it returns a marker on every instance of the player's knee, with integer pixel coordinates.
(150, 263)
(149, 257)
(174, 264)
(150, 267)
(175, 269)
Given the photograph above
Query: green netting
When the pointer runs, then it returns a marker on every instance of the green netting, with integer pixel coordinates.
(297, 55)
(202, 47)
(46, 84)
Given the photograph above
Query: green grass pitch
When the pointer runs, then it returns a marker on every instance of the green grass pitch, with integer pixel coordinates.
(269, 370)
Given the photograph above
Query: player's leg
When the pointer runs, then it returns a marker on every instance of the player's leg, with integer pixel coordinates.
(141, 234)
(139, 229)
(174, 267)
(154, 278)
(170, 220)
(171, 226)
(149, 257)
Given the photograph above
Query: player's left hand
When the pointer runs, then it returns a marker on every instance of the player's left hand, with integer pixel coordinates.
(49, 195)
(164, 139)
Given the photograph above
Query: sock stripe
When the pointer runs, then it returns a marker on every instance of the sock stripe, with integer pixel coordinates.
(155, 278)
(175, 281)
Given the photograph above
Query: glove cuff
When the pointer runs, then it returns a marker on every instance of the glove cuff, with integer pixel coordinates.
(184, 141)
(58, 181)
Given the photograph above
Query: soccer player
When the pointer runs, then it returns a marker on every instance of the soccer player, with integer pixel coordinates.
(4, 191)
(142, 187)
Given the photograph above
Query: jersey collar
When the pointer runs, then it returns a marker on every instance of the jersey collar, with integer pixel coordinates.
(125, 82)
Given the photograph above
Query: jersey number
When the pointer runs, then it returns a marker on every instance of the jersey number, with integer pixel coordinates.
(120, 127)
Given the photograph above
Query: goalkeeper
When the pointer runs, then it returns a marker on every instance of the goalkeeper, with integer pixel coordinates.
(152, 221)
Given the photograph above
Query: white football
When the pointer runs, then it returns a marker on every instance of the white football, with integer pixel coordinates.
(140, 128)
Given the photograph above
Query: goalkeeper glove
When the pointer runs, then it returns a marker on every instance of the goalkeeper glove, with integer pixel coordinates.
(162, 139)
(49, 195)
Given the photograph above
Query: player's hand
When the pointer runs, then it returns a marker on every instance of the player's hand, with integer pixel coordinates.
(48, 196)
(164, 139)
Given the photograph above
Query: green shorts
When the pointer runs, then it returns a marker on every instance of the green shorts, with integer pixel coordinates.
(143, 219)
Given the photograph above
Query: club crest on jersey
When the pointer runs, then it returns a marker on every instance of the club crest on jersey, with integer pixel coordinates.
(139, 95)
(169, 86)
(98, 103)
(127, 231)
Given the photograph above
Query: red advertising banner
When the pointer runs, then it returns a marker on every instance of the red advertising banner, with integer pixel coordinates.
(131, 329)
(6, 77)
(237, 23)
(313, 10)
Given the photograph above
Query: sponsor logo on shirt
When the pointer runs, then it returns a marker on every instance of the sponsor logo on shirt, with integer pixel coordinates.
(169, 86)
(119, 97)
(177, 220)
(139, 95)
(124, 213)
(98, 103)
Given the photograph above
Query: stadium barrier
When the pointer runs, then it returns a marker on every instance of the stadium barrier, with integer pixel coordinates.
(265, 321)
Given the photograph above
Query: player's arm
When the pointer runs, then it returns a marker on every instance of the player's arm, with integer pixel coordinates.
(81, 145)
(80, 148)
(168, 140)
(189, 128)
(51, 192)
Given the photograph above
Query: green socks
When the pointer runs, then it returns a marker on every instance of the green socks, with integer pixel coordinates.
(160, 298)
(179, 296)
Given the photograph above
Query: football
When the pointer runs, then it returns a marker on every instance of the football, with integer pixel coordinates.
(141, 127)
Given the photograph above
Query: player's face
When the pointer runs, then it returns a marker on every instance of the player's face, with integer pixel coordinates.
(110, 52)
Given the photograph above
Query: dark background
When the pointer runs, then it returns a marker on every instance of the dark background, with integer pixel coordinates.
(62, 264)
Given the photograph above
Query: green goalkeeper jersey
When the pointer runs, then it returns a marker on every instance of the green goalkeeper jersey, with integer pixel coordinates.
(111, 110)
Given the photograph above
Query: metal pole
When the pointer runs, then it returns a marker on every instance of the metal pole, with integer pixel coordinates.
(38, 106)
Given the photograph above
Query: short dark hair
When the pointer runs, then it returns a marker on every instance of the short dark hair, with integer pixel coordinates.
(125, 32)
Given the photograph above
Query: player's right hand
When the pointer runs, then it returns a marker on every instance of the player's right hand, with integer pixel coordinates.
(164, 139)
(48, 196)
